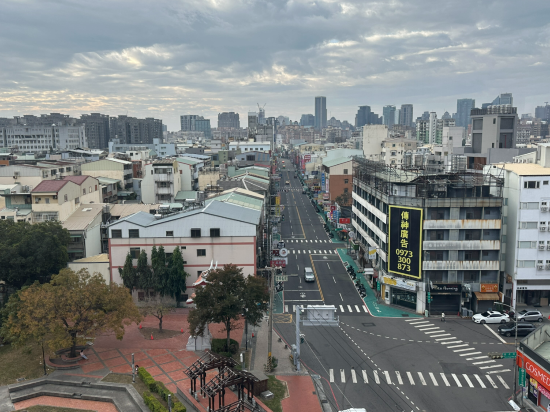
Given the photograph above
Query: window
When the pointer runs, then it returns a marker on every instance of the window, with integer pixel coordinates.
(545, 182)
(169, 233)
(47, 200)
(133, 233)
(65, 198)
(346, 190)
(529, 205)
(527, 245)
(526, 264)
(195, 233)
(505, 201)
(494, 121)
(77, 200)
(532, 184)
(116, 234)
(214, 232)
(346, 181)
(199, 273)
(201, 252)
(345, 171)
(134, 252)
(527, 225)
(84, 191)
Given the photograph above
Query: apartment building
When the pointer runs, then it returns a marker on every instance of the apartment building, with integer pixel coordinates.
(338, 179)
(30, 176)
(132, 131)
(161, 181)
(393, 150)
(218, 233)
(449, 225)
(43, 138)
(84, 226)
(112, 168)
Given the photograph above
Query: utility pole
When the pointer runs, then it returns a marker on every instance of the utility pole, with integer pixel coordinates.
(298, 338)
(269, 366)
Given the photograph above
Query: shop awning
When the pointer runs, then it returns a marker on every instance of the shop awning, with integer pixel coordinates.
(487, 296)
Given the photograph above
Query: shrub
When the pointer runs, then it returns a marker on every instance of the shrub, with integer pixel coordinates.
(220, 345)
(152, 403)
(159, 388)
(226, 354)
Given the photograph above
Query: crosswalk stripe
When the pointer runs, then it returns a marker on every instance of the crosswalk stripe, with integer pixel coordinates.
(309, 251)
(480, 381)
(492, 382)
(376, 378)
(482, 362)
(464, 350)
(399, 380)
(419, 324)
(349, 307)
(468, 354)
(468, 380)
(437, 331)
(315, 240)
(365, 377)
(365, 309)
(430, 328)
(422, 378)
(433, 379)
(456, 380)
(342, 308)
(388, 379)
(286, 308)
(503, 382)
(410, 378)
(491, 367)
(503, 370)
(445, 379)
(342, 376)
(477, 357)
(353, 377)
(444, 338)
(298, 251)
(451, 342)
(357, 308)
(457, 346)
(325, 251)
(301, 241)
(331, 374)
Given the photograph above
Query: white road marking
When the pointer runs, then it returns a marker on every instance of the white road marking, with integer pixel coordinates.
(430, 328)
(492, 382)
(388, 379)
(456, 380)
(468, 354)
(420, 324)
(399, 380)
(477, 357)
(331, 373)
(445, 379)
(503, 370)
(342, 376)
(437, 331)
(365, 377)
(334, 279)
(480, 382)
(422, 378)
(376, 378)
(503, 382)
(463, 350)
(357, 308)
(468, 380)
(481, 363)
(496, 334)
(457, 346)
(341, 297)
(433, 379)
(410, 378)
(342, 308)
(451, 342)
(353, 377)
(365, 309)
(491, 367)
(448, 334)
(349, 307)
(286, 308)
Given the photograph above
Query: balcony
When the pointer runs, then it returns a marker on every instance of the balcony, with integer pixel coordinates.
(463, 224)
(461, 245)
(460, 265)
(163, 177)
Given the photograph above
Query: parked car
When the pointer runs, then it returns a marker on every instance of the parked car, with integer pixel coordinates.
(509, 329)
(287, 182)
(491, 316)
(308, 275)
(529, 315)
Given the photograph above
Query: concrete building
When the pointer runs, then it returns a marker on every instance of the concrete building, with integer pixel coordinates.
(373, 138)
(338, 179)
(112, 168)
(189, 171)
(159, 148)
(132, 131)
(432, 129)
(187, 122)
(366, 116)
(94, 264)
(463, 109)
(250, 146)
(42, 138)
(217, 234)
(388, 113)
(203, 125)
(84, 226)
(161, 181)
(320, 112)
(422, 130)
(406, 115)
(31, 175)
(494, 127)
(393, 150)
(307, 120)
(228, 120)
(96, 126)
(455, 219)
(543, 112)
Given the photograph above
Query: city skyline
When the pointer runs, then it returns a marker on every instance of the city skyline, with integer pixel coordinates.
(207, 58)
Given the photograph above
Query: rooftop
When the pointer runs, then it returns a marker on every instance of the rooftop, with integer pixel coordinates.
(337, 161)
(83, 216)
(123, 210)
(101, 258)
(524, 169)
(185, 195)
(107, 180)
(237, 198)
(77, 179)
(188, 161)
(50, 186)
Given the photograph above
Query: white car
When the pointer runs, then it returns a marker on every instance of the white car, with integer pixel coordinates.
(491, 316)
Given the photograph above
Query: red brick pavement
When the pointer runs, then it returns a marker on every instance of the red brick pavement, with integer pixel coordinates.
(66, 403)
(301, 394)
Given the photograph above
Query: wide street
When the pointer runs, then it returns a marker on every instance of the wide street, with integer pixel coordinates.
(403, 363)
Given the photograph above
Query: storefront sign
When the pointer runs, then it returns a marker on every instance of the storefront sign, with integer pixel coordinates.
(323, 182)
(400, 283)
(344, 220)
(279, 262)
(333, 208)
(325, 196)
(405, 241)
(327, 184)
(544, 391)
(372, 253)
(533, 370)
(307, 158)
(446, 288)
(489, 287)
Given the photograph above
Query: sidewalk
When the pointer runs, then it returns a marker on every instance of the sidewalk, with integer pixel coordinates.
(375, 308)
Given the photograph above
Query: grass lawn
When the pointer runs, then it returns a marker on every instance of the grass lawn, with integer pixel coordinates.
(139, 386)
(42, 408)
(279, 392)
(165, 334)
(25, 362)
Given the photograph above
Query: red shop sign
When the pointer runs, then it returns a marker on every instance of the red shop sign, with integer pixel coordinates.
(533, 370)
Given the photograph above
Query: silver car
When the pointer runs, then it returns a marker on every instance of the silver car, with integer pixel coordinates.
(529, 315)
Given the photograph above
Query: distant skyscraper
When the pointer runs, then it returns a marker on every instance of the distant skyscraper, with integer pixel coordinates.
(131, 130)
(432, 128)
(97, 130)
(320, 112)
(425, 116)
(229, 120)
(365, 116)
(503, 98)
(307, 120)
(463, 109)
(187, 122)
(389, 115)
(543, 112)
(203, 125)
(406, 115)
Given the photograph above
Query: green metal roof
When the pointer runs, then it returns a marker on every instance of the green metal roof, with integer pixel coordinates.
(188, 161)
(186, 194)
(337, 161)
(238, 199)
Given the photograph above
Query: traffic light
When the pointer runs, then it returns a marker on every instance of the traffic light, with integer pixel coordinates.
(429, 297)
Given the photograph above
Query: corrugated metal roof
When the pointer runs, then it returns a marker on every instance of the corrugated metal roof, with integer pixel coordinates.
(188, 161)
(76, 179)
(123, 210)
(107, 180)
(238, 199)
(50, 186)
(337, 161)
(186, 194)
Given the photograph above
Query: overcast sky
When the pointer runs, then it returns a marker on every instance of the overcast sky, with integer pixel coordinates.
(166, 58)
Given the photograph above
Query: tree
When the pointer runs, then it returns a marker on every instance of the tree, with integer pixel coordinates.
(69, 307)
(225, 297)
(343, 199)
(30, 253)
(157, 306)
(176, 277)
(144, 274)
(128, 273)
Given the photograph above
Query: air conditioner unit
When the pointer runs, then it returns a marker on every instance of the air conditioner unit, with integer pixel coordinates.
(548, 246)
(542, 228)
(541, 247)
(540, 266)
(544, 208)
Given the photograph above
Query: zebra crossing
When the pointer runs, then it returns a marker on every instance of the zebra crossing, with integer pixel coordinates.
(312, 252)
(339, 308)
(439, 379)
(307, 241)
(461, 348)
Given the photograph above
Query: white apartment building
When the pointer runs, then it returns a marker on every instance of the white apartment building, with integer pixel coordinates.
(161, 181)
(43, 138)
(393, 150)
(250, 146)
(526, 236)
(373, 138)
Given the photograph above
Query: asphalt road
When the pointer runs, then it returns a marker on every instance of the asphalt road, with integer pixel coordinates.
(382, 364)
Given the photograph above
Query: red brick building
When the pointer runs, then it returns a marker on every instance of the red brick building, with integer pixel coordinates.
(338, 178)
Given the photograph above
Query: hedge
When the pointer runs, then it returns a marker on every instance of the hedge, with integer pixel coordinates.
(220, 346)
(159, 388)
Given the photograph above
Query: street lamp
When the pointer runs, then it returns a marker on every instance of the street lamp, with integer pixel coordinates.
(516, 349)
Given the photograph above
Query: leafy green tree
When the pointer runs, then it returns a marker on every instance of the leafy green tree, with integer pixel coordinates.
(144, 274)
(158, 265)
(343, 199)
(128, 273)
(30, 253)
(176, 277)
(225, 297)
(70, 306)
